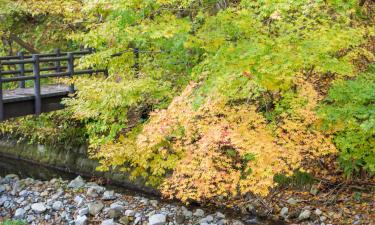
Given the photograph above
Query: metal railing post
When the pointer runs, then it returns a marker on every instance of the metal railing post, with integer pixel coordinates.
(37, 91)
(71, 70)
(1, 95)
(21, 67)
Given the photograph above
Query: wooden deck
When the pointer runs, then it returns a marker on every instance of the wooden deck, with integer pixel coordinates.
(24, 94)
(21, 101)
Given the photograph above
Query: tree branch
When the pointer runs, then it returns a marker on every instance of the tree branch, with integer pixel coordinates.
(23, 44)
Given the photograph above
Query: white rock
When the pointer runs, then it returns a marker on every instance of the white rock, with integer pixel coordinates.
(292, 201)
(187, 213)
(81, 220)
(109, 195)
(199, 213)
(95, 207)
(79, 200)
(220, 215)
(208, 219)
(237, 222)
(157, 219)
(58, 205)
(129, 212)
(78, 182)
(154, 203)
(92, 192)
(38, 207)
(108, 222)
(2, 188)
(284, 212)
(19, 214)
(305, 214)
(318, 212)
(83, 211)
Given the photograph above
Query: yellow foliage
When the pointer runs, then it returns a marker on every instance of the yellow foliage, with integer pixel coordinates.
(220, 150)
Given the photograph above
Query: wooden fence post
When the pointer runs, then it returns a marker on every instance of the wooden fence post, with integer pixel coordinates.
(1, 95)
(71, 70)
(136, 62)
(37, 91)
(21, 67)
(57, 63)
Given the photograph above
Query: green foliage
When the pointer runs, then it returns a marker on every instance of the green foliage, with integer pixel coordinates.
(298, 179)
(251, 74)
(55, 129)
(349, 113)
(13, 222)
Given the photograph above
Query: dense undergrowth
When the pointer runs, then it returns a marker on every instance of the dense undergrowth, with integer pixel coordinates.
(224, 95)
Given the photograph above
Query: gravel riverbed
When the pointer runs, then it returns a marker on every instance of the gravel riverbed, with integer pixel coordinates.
(79, 202)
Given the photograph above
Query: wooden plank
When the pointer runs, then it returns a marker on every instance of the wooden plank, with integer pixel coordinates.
(22, 94)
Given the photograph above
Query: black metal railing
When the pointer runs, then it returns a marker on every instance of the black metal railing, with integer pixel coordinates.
(57, 64)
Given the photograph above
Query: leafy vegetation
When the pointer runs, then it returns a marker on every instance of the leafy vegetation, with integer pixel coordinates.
(349, 113)
(13, 222)
(210, 100)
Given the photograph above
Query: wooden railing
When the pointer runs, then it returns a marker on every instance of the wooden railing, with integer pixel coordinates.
(57, 64)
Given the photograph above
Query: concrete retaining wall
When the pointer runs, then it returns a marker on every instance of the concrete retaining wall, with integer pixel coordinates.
(69, 160)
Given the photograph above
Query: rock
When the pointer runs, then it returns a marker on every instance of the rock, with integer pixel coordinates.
(187, 213)
(58, 205)
(19, 214)
(323, 218)
(114, 213)
(92, 192)
(222, 222)
(249, 208)
(12, 177)
(99, 189)
(30, 218)
(253, 221)
(81, 220)
(180, 219)
(208, 219)
(137, 220)
(129, 212)
(117, 206)
(95, 207)
(199, 213)
(23, 193)
(318, 212)
(314, 190)
(237, 222)
(157, 219)
(154, 203)
(38, 207)
(47, 217)
(79, 200)
(2, 188)
(78, 182)
(305, 214)
(284, 212)
(219, 215)
(108, 222)
(292, 201)
(109, 195)
(83, 211)
(44, 194)
(124, 220)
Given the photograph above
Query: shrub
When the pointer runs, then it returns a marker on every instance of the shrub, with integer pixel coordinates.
(349, 113)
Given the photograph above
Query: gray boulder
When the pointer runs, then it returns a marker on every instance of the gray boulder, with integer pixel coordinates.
(157, 219)
(38, 207)
(95, 207)
(78, 182)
